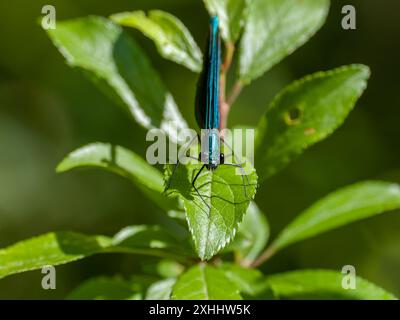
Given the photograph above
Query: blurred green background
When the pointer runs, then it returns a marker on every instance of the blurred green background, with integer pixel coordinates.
(48, 109)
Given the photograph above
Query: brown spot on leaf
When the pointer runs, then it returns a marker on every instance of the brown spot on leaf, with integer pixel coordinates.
(309, 131)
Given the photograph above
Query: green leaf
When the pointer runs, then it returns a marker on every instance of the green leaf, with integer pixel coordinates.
(49, 249)
(104, 288)
(212, 222)
(342, 207)
(123, 162)
(169, 268)
(323, 284)
(160, 290)
(253, 235)
(57, 248)
(274, 29)
(231, 16)
(246, 280)
(153, 240)
(172, 38)
(119, 66)
(305, 113)
(203, 282)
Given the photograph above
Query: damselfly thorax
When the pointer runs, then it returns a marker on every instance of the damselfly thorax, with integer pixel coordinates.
(211, 154)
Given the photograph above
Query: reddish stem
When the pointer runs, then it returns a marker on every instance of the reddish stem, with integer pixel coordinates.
(268, 253)
(235, 92)
(223, 105)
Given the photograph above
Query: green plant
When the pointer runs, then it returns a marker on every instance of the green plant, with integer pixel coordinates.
(217, 252)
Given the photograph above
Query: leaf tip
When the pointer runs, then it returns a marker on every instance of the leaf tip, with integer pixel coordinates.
(362, 69)
(61, 167)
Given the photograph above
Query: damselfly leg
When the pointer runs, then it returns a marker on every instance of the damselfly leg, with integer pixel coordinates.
(194, 186)
(238, 165)
(178, 162)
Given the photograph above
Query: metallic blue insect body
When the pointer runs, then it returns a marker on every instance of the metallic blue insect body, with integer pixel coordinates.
(207, 99)
(207, 109)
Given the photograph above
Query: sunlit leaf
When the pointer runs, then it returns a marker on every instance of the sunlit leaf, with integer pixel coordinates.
(248, 281)
(323, 284)
(203, 282)
(123, 162)
(274, 29)
(57, 248)
(172, 38)
(342, 207)
(231, 15)
(160, 290)
(119, 66)
(214, 213)
(305, 113)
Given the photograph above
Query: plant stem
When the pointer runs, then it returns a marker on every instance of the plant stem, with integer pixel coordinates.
(224, 103)
(236, 90)
(267, 254)
(230, 50)
(224, 106)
